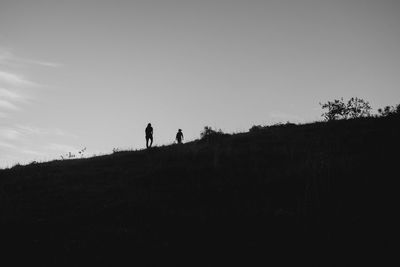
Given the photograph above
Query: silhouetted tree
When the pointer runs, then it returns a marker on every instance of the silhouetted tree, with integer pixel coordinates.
(336, 110)
(211, 135)
(386, 111)
(357, 107)
(389, 111)
(208, 131)
(256, 128)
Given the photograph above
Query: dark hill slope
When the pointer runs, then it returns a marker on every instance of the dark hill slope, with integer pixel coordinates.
(313, 195)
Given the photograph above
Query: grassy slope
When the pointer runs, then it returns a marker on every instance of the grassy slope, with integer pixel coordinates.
(311, 192)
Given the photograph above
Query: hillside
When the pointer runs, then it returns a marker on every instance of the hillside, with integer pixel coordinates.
(312, 195)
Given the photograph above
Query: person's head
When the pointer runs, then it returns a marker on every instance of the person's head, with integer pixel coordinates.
(180, 130)
(149, 125)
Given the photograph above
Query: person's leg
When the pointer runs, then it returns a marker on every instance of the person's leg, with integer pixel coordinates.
(147, 142)
(151, 141)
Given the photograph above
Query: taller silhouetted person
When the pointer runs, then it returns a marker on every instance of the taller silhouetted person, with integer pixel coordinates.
(179, 136)
(149, 135)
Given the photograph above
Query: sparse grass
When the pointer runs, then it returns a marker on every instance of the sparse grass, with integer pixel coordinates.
(313, 193)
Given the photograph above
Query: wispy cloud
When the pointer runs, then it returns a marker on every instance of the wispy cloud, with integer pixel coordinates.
(15, 79)
(14, 84)
(8, 58)
(25, 142)
(8, 94)
(8, 105)
(7, 145)
(41, 63)
(9, 134)
(34, 130)
(5, 56)
(26, 131)
(10, 100)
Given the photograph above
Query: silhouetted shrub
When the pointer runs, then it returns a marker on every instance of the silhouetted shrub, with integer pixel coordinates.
(211, 135)
(70, 155)
(389, 111)
(357, 107)
(208, 131)
(288, 124)
(338, 109)
(256, 128)
(16, 166)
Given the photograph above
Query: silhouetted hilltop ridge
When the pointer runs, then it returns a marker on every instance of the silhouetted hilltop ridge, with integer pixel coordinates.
(312, 193)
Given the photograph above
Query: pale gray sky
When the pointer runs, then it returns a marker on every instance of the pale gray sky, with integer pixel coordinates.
(92, 73)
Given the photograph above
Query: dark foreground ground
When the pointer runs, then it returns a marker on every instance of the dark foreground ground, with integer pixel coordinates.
(308, 195)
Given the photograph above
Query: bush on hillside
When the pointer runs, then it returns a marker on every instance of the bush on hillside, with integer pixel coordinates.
(256, 128)
(338, 109)
(208, 131)
(357, 107)
(389, 111)
(210, 135)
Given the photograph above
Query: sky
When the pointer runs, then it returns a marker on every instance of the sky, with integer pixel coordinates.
(93, 73)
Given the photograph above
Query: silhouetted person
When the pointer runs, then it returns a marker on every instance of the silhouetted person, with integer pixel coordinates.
(149, 135)
(179, 136)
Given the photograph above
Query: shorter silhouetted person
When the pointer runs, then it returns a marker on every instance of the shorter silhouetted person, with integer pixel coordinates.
(149, 135)
(179, 136)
